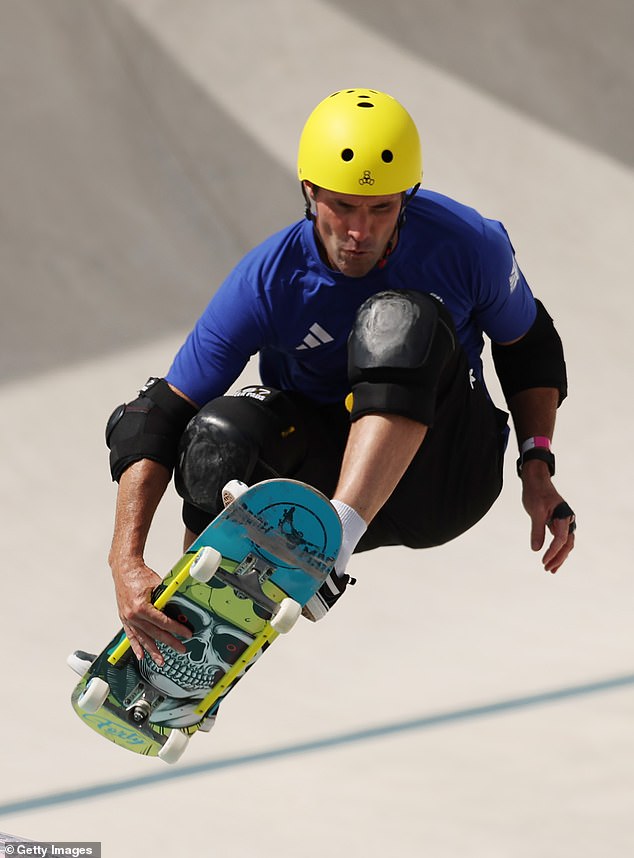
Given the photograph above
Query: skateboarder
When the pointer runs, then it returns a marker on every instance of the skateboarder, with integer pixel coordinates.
(369, 317)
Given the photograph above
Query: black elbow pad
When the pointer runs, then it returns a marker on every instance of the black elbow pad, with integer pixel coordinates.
(147, 428)
(537, 360)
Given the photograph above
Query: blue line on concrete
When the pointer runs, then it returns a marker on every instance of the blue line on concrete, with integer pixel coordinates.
(365, 735)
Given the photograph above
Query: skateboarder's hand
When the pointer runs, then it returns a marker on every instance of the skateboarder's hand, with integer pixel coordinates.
(547, 508)
(142, 622)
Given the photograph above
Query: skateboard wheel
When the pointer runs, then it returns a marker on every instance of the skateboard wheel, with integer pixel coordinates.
(94, 695)
(232, 491)
(205, 564)
(174, 747)
(287, 614)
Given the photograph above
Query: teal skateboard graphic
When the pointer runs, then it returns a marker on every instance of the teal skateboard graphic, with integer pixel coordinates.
(243, 582)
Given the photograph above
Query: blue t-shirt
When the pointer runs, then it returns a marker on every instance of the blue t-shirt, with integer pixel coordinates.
(284, 302)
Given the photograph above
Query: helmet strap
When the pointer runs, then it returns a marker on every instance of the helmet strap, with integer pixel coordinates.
(406, 201)
(308, 209)
(389, 247)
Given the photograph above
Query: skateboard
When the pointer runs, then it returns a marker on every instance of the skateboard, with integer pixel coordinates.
(241, 584)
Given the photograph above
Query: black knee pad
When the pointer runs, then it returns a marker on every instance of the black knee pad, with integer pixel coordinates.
(251, 436)
(399, 346)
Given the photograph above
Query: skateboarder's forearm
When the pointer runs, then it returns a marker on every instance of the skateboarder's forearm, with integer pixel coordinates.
(534, 412)
(141, 488)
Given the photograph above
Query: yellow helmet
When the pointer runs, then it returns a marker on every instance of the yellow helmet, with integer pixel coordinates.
(360, 141)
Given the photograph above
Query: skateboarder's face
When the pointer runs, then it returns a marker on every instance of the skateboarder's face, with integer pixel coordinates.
(355, 230)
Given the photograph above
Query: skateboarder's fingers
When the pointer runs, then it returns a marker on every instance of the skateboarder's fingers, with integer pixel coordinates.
(136, 645)
(562, 525)
(144, 644)
(157, 627)
(172, 630)
(561, 546)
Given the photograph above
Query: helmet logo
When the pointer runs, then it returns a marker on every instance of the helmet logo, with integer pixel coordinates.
(366, 178)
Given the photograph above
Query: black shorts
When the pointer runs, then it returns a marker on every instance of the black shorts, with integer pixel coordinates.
(451, 483)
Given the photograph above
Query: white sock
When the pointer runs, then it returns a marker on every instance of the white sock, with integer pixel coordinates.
(353, 529)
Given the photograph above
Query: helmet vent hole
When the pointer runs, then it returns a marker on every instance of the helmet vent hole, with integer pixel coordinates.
(365, 104)
(387, 156)
(347, 155)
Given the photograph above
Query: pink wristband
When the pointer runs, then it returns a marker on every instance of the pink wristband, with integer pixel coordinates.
(535, 441)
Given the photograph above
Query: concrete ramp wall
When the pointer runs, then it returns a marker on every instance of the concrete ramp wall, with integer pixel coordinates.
(127, 193)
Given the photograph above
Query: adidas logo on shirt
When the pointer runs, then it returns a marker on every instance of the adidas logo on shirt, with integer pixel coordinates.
(315, 337)
(514, 276)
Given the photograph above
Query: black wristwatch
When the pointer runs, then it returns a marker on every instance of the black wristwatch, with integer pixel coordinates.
(537, 453)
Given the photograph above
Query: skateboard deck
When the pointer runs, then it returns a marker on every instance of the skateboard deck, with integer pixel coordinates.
(266, 554)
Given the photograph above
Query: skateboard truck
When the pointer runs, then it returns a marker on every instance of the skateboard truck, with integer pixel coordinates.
(246, 582)
(141, 702)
